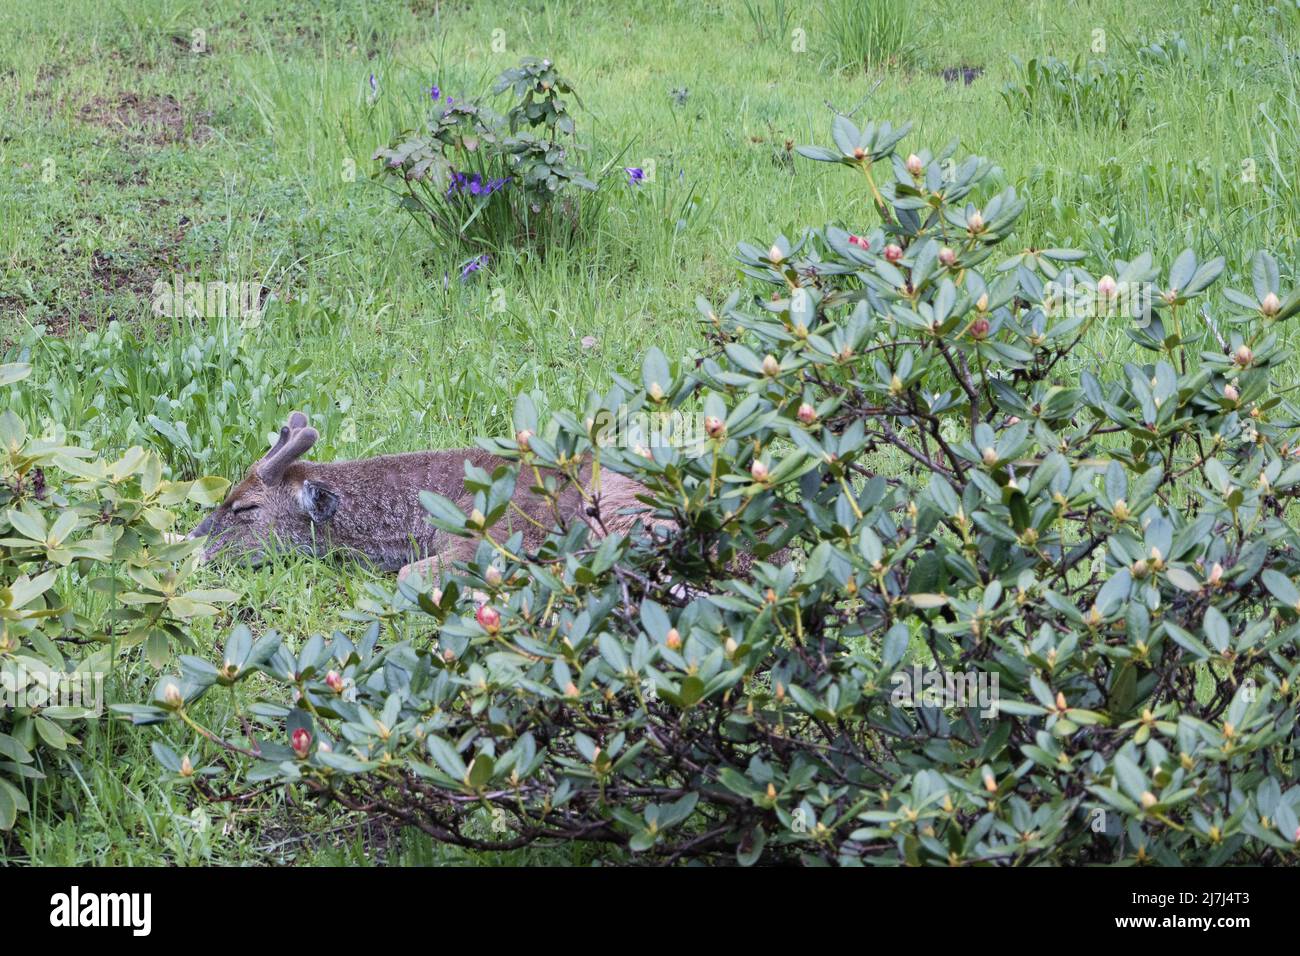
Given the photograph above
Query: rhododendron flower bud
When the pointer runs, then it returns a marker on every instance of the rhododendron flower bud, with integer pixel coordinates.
(1107, 286)
(488, 618)
(975, 222)
(1271, 305)
(673, 639)
(807, 414)
(893, 253)
(990, 456)
(758, 470)
(1230, 393)
(859, 241)
(715, 427)
(334, 681)
(859, 152)
(1148, 800)
(522, 437)
(492, 575)
(947, 256)
(172, 695)
(979, 328)
(570, 690)
(775, 254)
(187, 768)
(914, 165)
(1243, 356)
(301, 741)
(771, 367)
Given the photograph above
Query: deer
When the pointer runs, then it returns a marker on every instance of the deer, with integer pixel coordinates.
(371, 507)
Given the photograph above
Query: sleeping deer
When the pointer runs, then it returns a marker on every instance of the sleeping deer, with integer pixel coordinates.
(371, 507)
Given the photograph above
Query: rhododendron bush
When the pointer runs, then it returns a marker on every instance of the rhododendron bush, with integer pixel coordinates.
(913, 461)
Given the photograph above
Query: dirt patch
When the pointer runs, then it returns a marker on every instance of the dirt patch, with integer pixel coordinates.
(964, 74)
(118, 285)
(158, 120)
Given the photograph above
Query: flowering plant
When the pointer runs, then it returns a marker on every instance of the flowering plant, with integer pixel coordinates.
(478, 178)
(937, 589)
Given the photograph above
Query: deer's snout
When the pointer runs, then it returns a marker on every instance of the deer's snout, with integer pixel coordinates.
(204, 527)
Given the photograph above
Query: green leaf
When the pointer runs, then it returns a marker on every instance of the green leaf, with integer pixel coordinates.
(14, 372)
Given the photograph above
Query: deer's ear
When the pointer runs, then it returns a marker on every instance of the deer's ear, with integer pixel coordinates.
(318, 501)
(271, 468)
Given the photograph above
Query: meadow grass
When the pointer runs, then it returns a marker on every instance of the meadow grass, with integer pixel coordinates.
(250, 178)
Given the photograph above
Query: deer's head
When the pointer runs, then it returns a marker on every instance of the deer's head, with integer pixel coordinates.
(276, 502)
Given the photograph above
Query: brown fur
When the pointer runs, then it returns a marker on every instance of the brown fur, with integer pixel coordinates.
(372, 507)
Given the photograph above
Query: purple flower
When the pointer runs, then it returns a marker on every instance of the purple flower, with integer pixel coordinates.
(474, 184)
(635, 175)
(473, 266)
(434, 92)
(374, 85)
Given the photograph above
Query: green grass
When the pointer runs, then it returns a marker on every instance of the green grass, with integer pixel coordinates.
(249, 183)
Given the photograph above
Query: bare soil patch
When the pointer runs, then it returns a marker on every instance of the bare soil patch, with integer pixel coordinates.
(157, 120)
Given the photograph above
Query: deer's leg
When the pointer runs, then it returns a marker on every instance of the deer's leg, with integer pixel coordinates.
(421, 574)
(424, 573)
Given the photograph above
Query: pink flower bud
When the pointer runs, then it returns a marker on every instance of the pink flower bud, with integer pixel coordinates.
(334, 681)
(947, 257)
(1230, 393)
(758, 470)
(1107, 286)
(975, 222)
(521, 439)
(301, 741)
(1243, 357)
(488, 618)
(979, 328)
(859, 241)
(1271, 305)
(914, 165)
(492, 575)
(771, 367)
(715, 427)
(893, 253)
(807, 414)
